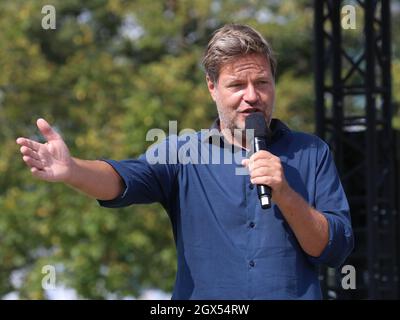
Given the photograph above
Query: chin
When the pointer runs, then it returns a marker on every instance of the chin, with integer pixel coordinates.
(240, 125)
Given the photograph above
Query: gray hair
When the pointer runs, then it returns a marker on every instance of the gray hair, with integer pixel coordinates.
(232, 41)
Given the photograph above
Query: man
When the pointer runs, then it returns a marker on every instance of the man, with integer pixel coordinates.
(228, 246)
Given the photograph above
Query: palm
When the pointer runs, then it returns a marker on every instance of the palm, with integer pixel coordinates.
(50, 161)
(55, 158)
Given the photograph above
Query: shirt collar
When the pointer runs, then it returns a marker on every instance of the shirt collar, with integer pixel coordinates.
(278, 129)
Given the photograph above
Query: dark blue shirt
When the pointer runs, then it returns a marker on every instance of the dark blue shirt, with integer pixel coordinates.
(228, 247)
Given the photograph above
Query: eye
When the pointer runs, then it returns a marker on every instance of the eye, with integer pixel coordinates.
(263, 82)
(234, 85)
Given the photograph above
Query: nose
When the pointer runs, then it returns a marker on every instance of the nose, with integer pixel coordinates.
(250, 94)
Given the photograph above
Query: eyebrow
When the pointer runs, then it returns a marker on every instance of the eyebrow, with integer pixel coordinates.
(258, 77)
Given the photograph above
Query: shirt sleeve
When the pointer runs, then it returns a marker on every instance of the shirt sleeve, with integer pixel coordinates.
(146, 180)
(331, 201)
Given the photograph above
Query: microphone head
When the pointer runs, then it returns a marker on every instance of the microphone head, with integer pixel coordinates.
(256, 121)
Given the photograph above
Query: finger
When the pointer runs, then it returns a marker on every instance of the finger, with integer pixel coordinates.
(268, 163)
(251, 164)
(33, 162)
(262, 154)
(29, 152)
(245, 162)
(262, 180)
(260, 161)
(261, 172)
(47, 131)
(28, 143)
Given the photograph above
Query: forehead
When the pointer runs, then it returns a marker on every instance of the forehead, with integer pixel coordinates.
(251, 63)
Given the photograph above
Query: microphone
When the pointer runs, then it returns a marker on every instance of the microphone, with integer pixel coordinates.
(256, 121)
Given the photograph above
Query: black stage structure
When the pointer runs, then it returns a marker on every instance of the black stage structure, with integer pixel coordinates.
(354, 116)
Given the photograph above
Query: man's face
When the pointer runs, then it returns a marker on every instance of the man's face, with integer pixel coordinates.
(244, 86)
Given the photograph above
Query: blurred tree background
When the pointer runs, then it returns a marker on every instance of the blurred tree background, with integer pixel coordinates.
(112, 70)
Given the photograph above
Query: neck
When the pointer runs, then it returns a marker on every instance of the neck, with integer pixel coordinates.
(236, 137)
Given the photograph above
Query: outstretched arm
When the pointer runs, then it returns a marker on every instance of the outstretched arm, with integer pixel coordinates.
(51, 161)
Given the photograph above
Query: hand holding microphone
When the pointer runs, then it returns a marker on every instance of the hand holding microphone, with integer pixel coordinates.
(265, 169)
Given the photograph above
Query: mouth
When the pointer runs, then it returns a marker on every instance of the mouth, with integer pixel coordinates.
(249, 110)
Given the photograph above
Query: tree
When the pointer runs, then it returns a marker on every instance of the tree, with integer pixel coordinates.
(111, 71)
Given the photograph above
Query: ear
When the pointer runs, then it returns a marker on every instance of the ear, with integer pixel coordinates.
(211, 87)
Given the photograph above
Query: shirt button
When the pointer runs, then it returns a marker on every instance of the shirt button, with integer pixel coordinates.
(252, 264)
(252, 224)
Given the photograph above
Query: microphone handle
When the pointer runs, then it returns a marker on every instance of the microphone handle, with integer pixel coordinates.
(264, 192)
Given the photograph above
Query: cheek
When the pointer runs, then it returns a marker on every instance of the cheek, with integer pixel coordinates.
(229, 100)
(271, 94)
(269, 99)
(234, 99)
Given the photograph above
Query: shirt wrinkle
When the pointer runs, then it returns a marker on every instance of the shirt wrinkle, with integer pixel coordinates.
(228, 247)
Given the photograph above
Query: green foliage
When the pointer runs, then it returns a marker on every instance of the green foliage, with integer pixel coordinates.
(112, 70)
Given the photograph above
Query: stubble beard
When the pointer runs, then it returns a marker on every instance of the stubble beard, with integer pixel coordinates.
(229, 124)
(231, 128)
(229, 121)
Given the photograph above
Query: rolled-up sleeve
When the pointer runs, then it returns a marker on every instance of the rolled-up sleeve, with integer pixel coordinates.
(144, 182)
(331, 201)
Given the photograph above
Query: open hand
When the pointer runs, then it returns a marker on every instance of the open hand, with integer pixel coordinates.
(50, 161)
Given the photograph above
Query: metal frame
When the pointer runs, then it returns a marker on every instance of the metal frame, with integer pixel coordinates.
(362, 144)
